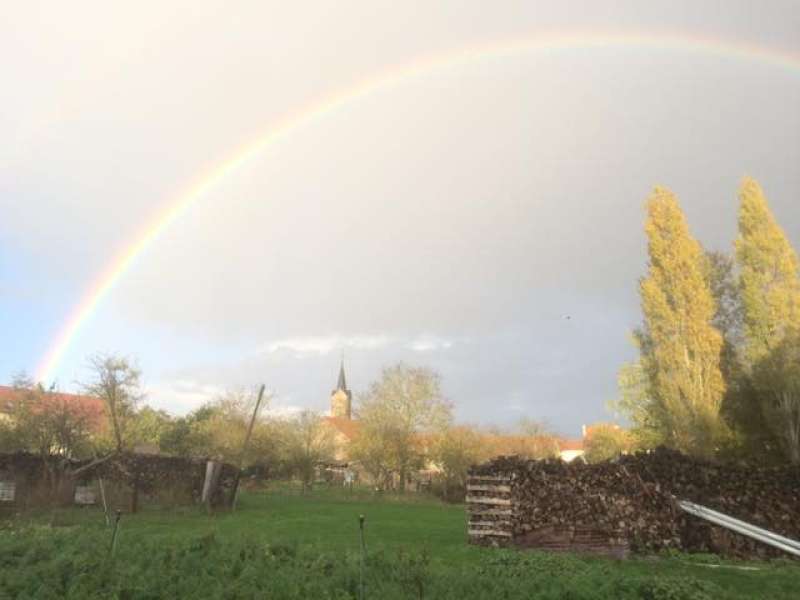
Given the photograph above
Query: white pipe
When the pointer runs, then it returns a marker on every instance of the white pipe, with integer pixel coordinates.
(753, 528)
(751, 531)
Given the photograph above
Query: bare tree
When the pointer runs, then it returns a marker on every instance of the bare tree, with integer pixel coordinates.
(117, 383)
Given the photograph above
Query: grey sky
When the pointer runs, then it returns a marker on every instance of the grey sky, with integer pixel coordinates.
(451, 220)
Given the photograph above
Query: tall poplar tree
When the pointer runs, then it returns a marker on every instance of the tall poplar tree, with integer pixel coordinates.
(769, 283)
(769, 274)
(681, 349)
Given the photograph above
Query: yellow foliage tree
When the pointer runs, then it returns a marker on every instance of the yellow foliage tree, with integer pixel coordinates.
(455, 450)
(636, 404)
(404, 403)
(606, 442)
(680, 347)
(769, 274)
(769, 281)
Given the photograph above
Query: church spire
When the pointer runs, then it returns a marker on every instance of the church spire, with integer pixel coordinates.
(342, 383)
(341, 397)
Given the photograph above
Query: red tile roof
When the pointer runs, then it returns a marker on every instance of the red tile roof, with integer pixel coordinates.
(589, 429)
(570, 445)
(93, 407)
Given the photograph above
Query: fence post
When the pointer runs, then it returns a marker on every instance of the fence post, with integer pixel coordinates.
(235, 491)
(103, 498)
(363, 553)
(114, 534)
(213, 470)
(207, 481)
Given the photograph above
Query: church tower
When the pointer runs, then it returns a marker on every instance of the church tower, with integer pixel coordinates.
(341, 397)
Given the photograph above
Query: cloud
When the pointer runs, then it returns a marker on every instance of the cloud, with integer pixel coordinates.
(323, 345)
(181, 396)
(283, 409)
(428, 343)
(305, 346)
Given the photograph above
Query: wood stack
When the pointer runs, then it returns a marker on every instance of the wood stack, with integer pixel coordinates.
(491, 514)
(149, 474)
(28, 479)
(630, 504)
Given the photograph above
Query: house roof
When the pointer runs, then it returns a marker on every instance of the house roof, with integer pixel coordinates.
(565, 445)
(588, 430)
(92, 405)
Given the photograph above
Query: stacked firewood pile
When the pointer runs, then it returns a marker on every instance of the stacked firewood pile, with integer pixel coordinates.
(150, 474)
(20, 463)
(55, 478)
(630, 504)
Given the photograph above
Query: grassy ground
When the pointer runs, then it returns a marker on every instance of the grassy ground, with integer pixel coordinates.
(280, 544)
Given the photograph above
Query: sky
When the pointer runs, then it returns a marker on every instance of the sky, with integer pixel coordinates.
(452, 219)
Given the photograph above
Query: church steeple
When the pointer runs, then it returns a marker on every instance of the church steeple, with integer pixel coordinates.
(341, 397)
(342, 384)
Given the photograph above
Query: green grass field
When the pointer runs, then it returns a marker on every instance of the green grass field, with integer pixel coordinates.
(283, 545)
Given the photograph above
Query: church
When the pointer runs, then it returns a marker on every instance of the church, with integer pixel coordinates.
(345, 429)
(340, 420)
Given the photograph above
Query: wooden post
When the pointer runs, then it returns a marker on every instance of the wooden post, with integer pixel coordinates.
(363, 554)
(113, 547)
(207, 481)
(235, 491)
(213, 471)
(103, 498)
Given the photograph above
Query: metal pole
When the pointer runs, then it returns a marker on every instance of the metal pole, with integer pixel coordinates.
(244, 448)
(726, 520)
(363, 553)
(757, 533)
(114, 534)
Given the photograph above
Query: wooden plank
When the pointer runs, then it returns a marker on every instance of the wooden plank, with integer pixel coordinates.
(84, 495)
(487, 500)
(501, 512)
(489, 532)
(488, 478)
(8, 490)
(207, 481)
(490, 523)
(489, 488)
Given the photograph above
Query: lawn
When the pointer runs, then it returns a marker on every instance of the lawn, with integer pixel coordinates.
(279, 544)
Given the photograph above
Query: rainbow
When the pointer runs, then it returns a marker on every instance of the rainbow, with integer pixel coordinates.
(326, 105)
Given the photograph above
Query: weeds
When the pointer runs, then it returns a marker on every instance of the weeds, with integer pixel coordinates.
(45, 563)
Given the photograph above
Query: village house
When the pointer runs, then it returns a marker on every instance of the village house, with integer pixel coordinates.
(87, 407)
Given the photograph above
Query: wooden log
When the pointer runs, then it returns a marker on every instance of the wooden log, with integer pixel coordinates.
(489, 488)
(490, 524)
(487, 500)
(491, 511)
(489, 533)
(627, 503)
